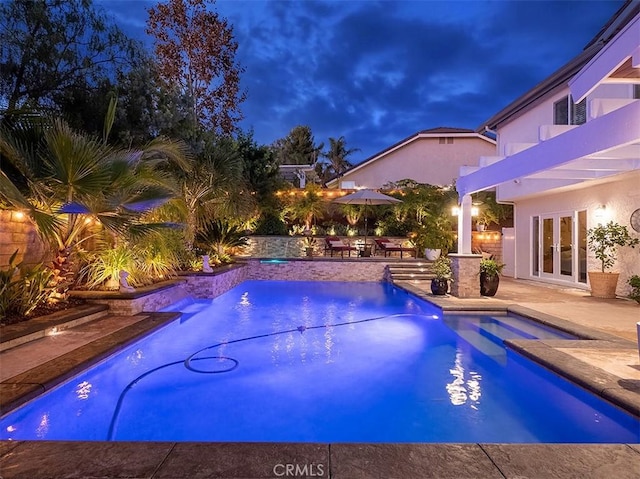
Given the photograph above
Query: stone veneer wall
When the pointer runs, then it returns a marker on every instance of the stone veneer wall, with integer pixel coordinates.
(211, 285)
(206, 285)
(18, 233)
(151, 302)
(466, 281)
(314, 270)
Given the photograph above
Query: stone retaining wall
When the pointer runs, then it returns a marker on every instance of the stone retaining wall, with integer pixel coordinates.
(314, 270)
(211, 285)
(17, 233)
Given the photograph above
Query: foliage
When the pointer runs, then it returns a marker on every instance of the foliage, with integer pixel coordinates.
(271, 224)
(491, 211)
(196, 50)
(220, 236)
(309, 242)
(260, 169)
(104, 267)
(434, 233)
(297, 148)
(51, 47)
(604, 241)
(491, 267)
(306, 207)
(336, 157)
(72, 180)
(352, 213)
(442, 267)
(23, 289)
(634, 282)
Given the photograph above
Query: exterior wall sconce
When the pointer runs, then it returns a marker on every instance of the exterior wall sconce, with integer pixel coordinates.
(19, 215)
(600, 212)
(455, 211)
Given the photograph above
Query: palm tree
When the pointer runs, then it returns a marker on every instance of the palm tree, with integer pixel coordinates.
(73, 179)
(337, 156)
(306, 207)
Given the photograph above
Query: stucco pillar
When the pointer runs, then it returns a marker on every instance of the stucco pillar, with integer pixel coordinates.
(466, 280)
(464, 226)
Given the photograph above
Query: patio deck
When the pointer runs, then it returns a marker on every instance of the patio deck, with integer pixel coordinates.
(614, 322)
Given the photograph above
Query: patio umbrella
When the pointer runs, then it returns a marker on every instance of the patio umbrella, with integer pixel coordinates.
(367, 197)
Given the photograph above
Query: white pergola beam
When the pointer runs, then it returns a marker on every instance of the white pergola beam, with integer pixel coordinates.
(600, 134)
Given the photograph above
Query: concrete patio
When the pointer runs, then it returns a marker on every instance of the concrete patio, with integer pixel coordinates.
(609, 360)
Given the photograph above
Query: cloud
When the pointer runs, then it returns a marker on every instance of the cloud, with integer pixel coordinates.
(376, 72)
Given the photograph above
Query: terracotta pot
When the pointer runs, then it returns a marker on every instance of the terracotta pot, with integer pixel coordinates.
(439, 286)
(489, 284)
(603, 285)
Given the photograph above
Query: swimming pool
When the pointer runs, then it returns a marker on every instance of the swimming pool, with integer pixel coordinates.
(323, 362)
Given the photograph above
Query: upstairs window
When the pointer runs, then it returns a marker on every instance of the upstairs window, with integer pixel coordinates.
(636, 92)
(445, 140)
(566, 112)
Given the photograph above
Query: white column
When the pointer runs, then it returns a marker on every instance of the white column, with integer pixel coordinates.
(464, 226)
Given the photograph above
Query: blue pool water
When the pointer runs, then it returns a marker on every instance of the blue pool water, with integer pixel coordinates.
(323, 362)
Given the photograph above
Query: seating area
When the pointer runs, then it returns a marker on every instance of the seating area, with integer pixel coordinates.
(388, 246)
(333, 243)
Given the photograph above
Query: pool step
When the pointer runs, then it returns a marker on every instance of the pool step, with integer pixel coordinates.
(414, 271)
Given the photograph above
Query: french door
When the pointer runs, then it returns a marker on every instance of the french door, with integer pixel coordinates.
(559, 246)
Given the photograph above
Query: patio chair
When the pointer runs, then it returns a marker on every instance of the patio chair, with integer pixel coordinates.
(388, 247)
(333, 243)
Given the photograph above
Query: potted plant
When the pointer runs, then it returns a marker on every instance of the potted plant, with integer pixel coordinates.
(604, 241)
(634, 282)
(309, 243)
(434, 237)
(442, 271)
(490, 271)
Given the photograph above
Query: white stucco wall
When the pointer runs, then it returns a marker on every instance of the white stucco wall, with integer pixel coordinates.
(525, 128)
(424, 160)
(621, 196)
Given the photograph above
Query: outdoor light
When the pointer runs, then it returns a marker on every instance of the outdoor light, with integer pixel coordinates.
(474, 211)
(19, 215)
(600, 212)
(455, 211)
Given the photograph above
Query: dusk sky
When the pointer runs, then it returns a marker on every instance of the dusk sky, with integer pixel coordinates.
(376, 72)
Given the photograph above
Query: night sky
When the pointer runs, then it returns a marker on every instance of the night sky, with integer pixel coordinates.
(376, 72)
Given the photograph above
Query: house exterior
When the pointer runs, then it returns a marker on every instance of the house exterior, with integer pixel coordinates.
(431, 156)
(568, 158)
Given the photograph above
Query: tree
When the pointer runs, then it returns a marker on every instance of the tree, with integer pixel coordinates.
(49, 47)
(196, 50)
(73, 179)
(260, 168)
(337, 158)
(298, 148)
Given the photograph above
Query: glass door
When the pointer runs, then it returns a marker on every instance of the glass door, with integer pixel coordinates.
(556, 246)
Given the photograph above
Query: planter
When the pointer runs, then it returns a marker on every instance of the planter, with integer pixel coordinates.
(603, 285)
(480, 227)
(439, 286)
(366, 252)
(489, 284)
(432, 254)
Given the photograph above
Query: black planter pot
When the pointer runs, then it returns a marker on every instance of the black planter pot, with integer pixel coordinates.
(439, 286)
(489, 284)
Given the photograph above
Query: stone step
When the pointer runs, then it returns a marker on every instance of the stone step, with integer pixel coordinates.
(20, 333)
(413, 277)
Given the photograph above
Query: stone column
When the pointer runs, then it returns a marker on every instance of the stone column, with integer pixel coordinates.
(466, 279)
